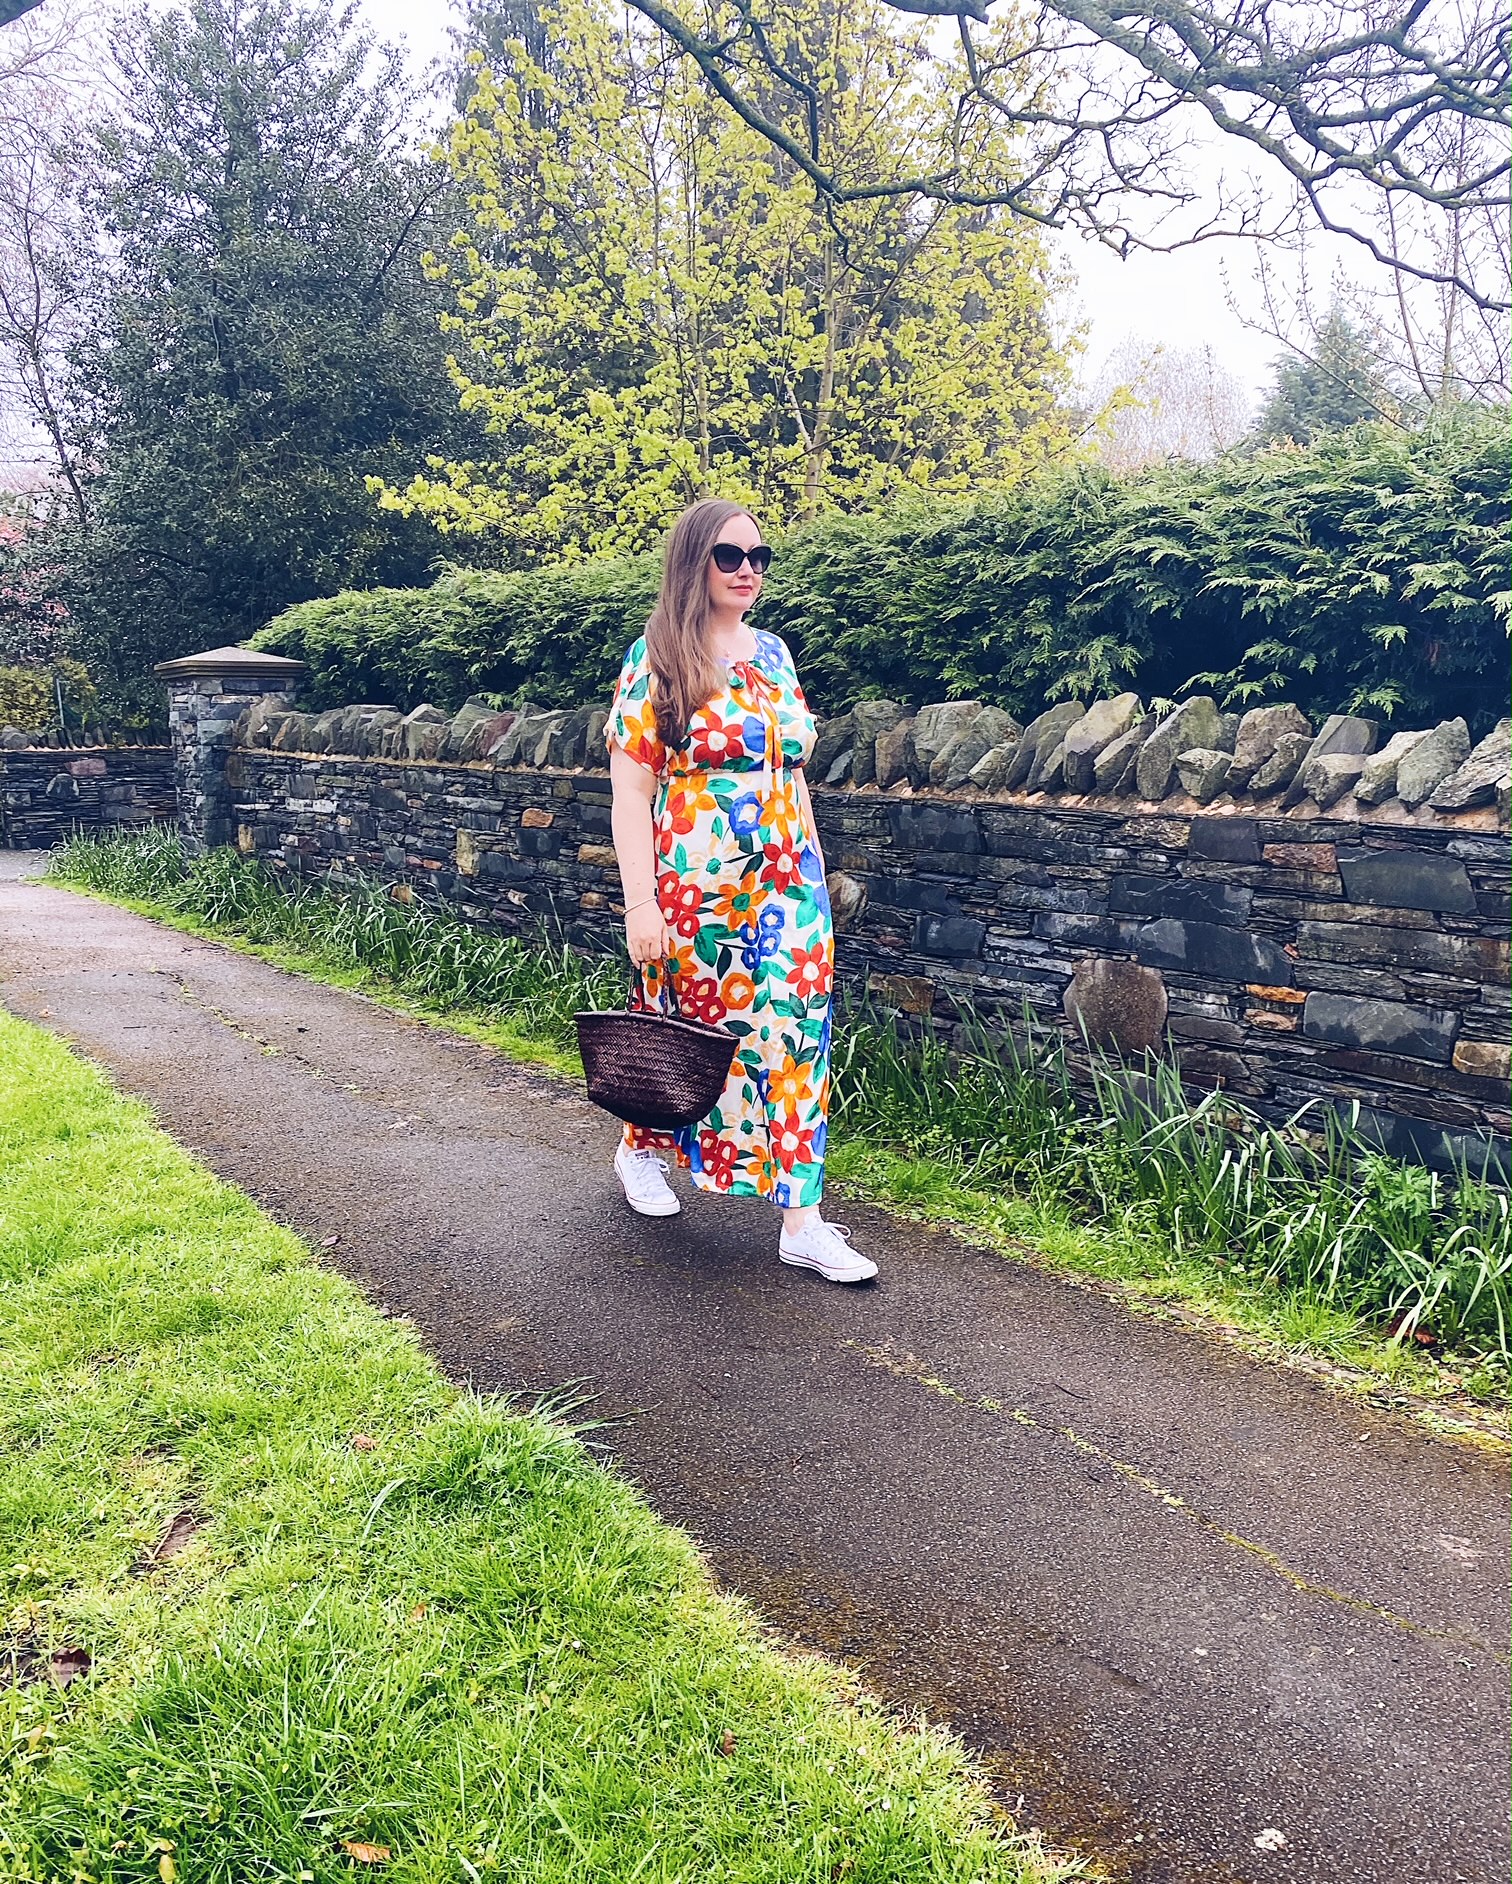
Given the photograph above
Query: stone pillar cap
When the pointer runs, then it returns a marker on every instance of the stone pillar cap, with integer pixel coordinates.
(243, 663)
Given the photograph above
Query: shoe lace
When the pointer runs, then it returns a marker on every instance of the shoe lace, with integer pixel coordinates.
(646, 1161)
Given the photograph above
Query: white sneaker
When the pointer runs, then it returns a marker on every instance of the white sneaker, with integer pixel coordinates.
(644, 1177)
(822, 1247)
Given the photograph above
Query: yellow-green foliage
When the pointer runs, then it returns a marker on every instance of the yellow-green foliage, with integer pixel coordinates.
(28, 699)
(652, 303)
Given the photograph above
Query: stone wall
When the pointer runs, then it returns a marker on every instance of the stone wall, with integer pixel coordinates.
(1348, 954)
(46, 794)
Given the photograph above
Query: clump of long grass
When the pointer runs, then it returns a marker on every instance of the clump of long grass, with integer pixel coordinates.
(1307, 1205)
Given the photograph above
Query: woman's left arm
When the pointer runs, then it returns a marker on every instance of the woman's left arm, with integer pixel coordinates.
(806, 804)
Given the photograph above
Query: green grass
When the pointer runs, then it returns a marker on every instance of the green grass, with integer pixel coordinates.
(1299, 1233)
(410, 1617)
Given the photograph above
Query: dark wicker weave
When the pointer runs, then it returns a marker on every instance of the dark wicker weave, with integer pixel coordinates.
(653, 1069)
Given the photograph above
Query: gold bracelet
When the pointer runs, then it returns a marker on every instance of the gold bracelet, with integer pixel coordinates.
(641, 904)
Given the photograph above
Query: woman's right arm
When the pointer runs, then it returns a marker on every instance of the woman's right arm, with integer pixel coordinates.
(647, 935)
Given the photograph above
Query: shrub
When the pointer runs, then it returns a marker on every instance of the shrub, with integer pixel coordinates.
(1366, 572)
(28, 696)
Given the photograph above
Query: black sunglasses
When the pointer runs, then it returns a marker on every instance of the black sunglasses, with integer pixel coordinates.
(729, 556)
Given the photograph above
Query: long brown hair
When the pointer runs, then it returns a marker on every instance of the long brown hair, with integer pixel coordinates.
(684, 672)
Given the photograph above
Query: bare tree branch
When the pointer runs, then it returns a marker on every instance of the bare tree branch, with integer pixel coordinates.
(1349, 99)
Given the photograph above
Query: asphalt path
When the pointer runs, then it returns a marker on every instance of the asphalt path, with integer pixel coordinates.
(1198, 1616)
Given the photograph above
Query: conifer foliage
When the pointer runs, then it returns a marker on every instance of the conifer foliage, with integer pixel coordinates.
(259, 336)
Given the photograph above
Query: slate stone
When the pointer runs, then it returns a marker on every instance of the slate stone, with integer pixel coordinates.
(525, 729)
(913, 893)
(1116, 760)
(989, 728)
(1419, 1141)
(1117, 1004)
(1102, 723)
(1347, 1020)
(368, 735)
(538, 843)
(847, 899)
(60, 787)
(1050, 729)
(1431, 761)
(1261, 731)
(1343, 735)
(1049, 763)
(1327, 779)
(1191, 899)
(1278, 771)
(291, 733)
(1478, 779)
(422, 733)
(1203, 772)
(1407, 879)
(1194, 723)
(1378, 780)
(870, 719)
(473, 709)
(253, 728)
(840, 771)
(492, 734)
(535, 737)
(949, 935)
(566, 739)
(933, 729)
(502, 868)
(1225, 840)
(12, 739)
(930, 828)
(988, 773)
(834, 737)
(893, 754)
(1202, 948)
(1484, 1059)
(595, 752)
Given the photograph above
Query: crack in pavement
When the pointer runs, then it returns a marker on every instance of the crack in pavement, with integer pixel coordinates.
(909, 1367)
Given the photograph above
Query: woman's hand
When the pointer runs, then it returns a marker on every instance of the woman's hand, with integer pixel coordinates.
(647, 934)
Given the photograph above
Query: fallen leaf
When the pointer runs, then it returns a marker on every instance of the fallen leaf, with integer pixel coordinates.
(66, 1665)
(44, 1013)
(167, 1869)
(418, 1611)
(727, 1744)
(365, 1853)
(329, 1242)
(364, 1442)
(1270, 1839)
(178, 1534)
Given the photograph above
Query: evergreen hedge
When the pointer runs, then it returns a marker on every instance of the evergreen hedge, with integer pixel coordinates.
(1368, 571)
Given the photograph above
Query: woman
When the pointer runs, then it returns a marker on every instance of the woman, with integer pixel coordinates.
(724, 883)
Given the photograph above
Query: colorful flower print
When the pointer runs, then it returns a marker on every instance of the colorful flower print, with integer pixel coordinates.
(741, 886)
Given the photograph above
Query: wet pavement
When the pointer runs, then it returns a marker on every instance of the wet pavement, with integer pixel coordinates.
(1198, 1616)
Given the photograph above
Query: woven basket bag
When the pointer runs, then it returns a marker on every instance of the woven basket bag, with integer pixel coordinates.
(652, 1068)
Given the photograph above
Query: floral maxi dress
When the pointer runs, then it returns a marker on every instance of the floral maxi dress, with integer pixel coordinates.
(741, 885)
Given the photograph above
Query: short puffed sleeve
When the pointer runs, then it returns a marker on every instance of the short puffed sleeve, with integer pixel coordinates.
(793, 711)
(632, 719)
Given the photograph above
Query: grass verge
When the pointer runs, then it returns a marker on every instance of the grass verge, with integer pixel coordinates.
(1299, 1238)
(282, 1604)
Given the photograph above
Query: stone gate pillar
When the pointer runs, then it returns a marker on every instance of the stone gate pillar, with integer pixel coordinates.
(207, 695)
